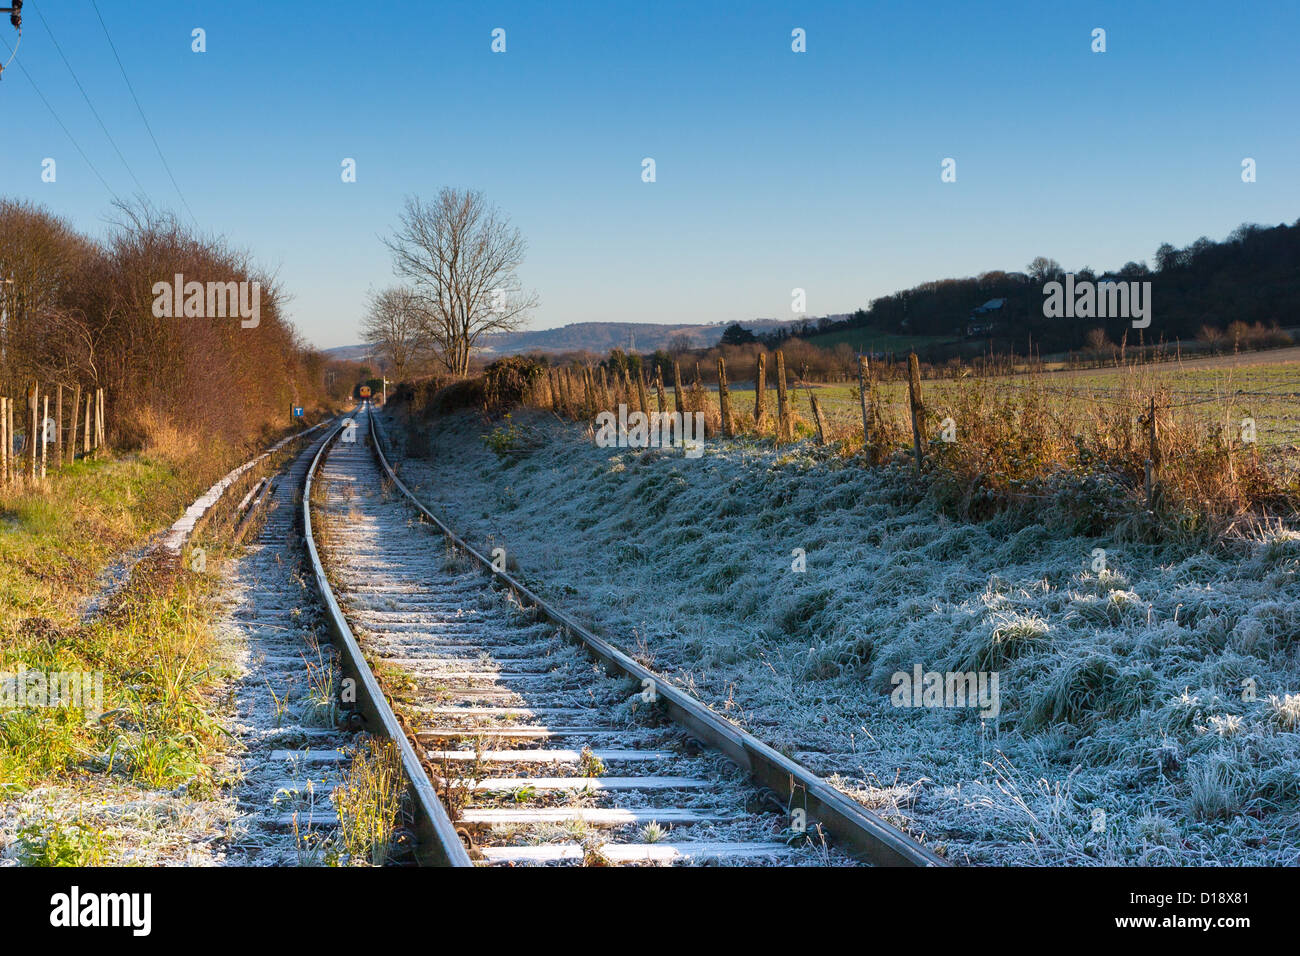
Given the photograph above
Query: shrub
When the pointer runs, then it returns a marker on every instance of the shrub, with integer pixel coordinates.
(507, 381)
(1012, 634)
(467, 393)
(1087, 690)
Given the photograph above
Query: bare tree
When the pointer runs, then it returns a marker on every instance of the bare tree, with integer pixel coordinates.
(393, 324)
(1041, 269)
(461, 254)
(680, 344)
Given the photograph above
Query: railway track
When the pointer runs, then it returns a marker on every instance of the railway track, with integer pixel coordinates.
(526, 739)
(293, 748)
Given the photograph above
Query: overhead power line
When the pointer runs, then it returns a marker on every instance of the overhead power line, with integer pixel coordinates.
(140, 109)
(86, 97)
(65, 129)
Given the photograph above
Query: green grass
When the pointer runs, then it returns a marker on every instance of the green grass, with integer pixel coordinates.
(152, 645)
(54, 544)
(369, 804)
(873, 340)
(154, 651)
(54, 843)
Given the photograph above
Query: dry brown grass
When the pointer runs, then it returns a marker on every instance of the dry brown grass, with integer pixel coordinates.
(163, 438)
(1025, 445)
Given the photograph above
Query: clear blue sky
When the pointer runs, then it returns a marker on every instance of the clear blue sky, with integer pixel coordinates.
(775, 169)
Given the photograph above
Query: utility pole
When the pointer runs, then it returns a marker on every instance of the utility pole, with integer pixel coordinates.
(15, 11)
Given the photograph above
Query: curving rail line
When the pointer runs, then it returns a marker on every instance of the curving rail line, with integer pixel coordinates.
(436, 838)
(501, 671)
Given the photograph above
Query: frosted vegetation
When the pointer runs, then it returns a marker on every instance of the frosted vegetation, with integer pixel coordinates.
(1125, 691)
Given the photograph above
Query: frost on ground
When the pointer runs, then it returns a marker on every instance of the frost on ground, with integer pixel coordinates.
(1149, 712)
(105, 822)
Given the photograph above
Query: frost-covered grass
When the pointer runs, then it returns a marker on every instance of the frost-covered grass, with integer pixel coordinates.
(1148, 711)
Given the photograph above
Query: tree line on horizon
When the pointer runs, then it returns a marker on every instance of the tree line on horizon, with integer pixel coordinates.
(1236, 293)
(1251, 277)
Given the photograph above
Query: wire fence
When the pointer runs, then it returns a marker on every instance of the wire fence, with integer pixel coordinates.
(1206, 444)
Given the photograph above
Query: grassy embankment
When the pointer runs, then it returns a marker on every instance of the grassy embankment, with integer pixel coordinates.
(1148, 698)
(152, 643)
(1226, 438)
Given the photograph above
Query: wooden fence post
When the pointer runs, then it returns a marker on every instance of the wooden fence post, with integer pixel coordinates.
(760, 392)
(625, 386)
(1153, 455)
(918, 409)
(85, 435)
(15, 461)
(15, 467)
(33, 401)
(822, 431)
(864, 376)
(677, 386)
(785, 427)
(45, 417)
(588, 393)
(818, 418)
(4, 440)
(103, 425)
(72, 424)
(604, 389)
(9, 440)
(724, 400)
(58, 428)
(660, 397)
(641, 396)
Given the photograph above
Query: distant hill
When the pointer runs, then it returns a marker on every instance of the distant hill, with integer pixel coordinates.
(348, 353)
(598, 337)
(1252, 276)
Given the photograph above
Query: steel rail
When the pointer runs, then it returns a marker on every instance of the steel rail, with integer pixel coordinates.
(436, 839)
(863, 834)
